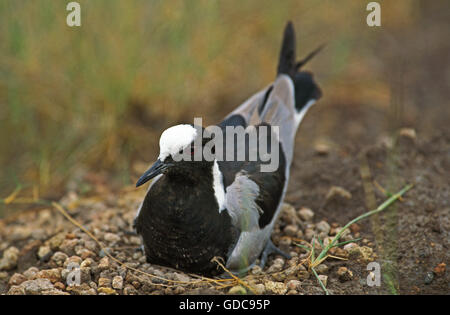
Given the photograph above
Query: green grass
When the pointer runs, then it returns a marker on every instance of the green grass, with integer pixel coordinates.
(95, 98)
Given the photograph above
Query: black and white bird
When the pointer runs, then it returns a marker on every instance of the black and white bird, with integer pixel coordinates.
(197, 210)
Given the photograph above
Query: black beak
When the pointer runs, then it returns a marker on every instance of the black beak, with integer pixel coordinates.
(153, 171)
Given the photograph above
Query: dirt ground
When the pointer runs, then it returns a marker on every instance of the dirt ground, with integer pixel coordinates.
(410, 239)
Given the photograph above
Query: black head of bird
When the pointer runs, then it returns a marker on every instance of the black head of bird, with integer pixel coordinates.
(200, 208)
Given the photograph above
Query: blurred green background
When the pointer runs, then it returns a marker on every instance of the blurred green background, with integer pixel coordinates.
(84, 106)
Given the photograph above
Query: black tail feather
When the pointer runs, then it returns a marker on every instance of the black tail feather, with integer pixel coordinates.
(287, 64)
(302, 62)
(305, 87)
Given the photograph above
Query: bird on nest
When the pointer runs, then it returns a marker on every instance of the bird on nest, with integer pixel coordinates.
(195, 210)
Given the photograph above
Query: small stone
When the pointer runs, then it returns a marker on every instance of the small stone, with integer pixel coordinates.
(324, 279)
(439, 270)
(86, 253)
(323, 227)
(408, 132)
(82, 289)
(111, 237)
(117, 282)
(309, 234)
(68, 246)
(31, 273)
(181, 277)
(355, 228)
(88, 262)
(294, 285)
(277, 266)
(54, 275)
(237, 290)
(305, 214)
(288, 214)
(104, 282)
(322, 148)
(17, 279)
(59, 258)
(73, 261)
(291, 230)
(344, 274)
(348, 247)
(256, 270)
(55, 242)
(103, 264)
(37, 286)
(259, 288)
(10, 258)
(130, 290)
(106, 291)
(429, 277)
(275, 287)
(179, 290)
(363, 253)
(59, 286)
(44, 253)
(337, 192)
(303, 275)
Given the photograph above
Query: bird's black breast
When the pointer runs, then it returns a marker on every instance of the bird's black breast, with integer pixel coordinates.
(182, 228)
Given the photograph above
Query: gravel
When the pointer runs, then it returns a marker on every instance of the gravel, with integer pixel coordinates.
(64, 253)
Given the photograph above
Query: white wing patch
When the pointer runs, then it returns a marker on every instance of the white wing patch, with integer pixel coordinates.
(241, 203)
(219, 190)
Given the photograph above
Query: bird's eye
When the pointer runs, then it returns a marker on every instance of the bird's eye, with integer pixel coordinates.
(181, 151)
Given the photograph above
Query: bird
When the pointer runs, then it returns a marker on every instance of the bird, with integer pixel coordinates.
(198, 210)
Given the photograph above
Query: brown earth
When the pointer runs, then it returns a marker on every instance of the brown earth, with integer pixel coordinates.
(410, 239)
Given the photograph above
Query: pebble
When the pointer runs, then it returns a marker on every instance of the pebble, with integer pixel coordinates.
(111, 237)
(429, 277)
(439, 270)
(323, 227)
(59, 258)
(275, 287)
(237, 290)
(68, 246)
(17, 279)
(303, 275)
(259, 288)
(305, 214)
(361, 253)
(344, 274)
(35, 287)
(31, 273)
(348, 247)
(104, 263)
(54, 275)
(106, 291)
(181, 277)
(104, 282)
(288, 213)
(10, 258)
(291, 230)
(55, 242)
(294, 285)
(117, 282)
(337, 192)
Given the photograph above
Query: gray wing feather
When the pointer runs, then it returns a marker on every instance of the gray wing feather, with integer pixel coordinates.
(240, 203)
